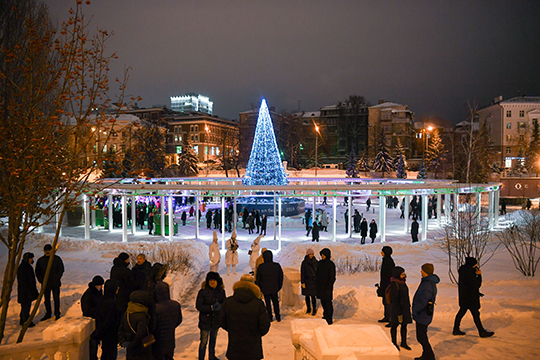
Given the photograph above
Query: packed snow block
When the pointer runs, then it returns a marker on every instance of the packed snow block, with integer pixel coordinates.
(302, 337)
(291, 285)
(78, 329)
(353, 342)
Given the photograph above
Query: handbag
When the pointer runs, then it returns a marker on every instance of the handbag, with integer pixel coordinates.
(146, 341)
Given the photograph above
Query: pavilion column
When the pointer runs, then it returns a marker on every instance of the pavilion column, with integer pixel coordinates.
(478, 211)
(235, 214)
(382, 217)
(171, 218)
(57, 216)
(490, 209)
(133, 215)
(314, 205)
(334, 217)
(439, 210)
(124, 219)
(93, 211)
(424, 217)
(456, 206)
(279, 222)
(110, 210)
(162, 212)
(447, 203)
(222, 222)
(406, 213)
(86, 201)
(275, 218)
(497, 197)
(197, 214)
(350, 215)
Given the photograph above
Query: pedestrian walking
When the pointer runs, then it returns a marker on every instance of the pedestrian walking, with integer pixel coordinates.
(53, 283)
(245, 336)
(254, 253)
(308, 273)
(309, 225)
(141, 271)
(270, 281)
(325, 279)
(257, 220)
(368, 204)
(107, 322)
(264, 222)
(469, 283)
(387, 269)
(134, 327)
(231, 256)
(150, 222)
(414, 230)
(209, 302)
(89, 303)
(356, 221)
(363, 231)
(315, 232)
(209, 219)
(400, 313)
(372, 230)
(183, 217)
(423, 307)
(213, 253)
(324, 221)
(168, 318)
(26, 287)
(251, 223)
(121, 273)
(346, 216)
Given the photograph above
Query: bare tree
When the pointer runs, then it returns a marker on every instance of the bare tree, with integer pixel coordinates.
(522, 240)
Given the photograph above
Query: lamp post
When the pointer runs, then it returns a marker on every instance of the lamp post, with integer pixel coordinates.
(207, 129)
(316, 146)
(429, 128)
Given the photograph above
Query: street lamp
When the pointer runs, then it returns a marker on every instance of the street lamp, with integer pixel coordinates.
(207, 129)
(316, 145)
(429, 128)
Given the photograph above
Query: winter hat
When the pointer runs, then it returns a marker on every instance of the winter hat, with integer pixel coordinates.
(98, 280)
(47, 247)
(310, 251)
(123, 256)
(215, 237)
(248, 278)
(428, 268)
(387, 250)
(326, 252)
(212, 275)
(470, 261)
(27, 256)
(396, 273)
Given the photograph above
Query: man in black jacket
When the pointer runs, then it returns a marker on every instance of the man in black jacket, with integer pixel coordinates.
(244, 317)
(324, 280)
(26, 287)
(107, 322)
(89, 303)
(53, 283)
(414, 230)
(387, 268)
(470, 280)
(121, 273)
(270, 280)
(209, 301)
(168, 318)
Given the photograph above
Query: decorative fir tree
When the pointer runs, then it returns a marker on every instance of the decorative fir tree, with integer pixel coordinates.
(435, 155)
(112, 167)
(383, 160)
(352, 172)
(531, 155)
(188, 160)
(422, 174)
(149, 149)
(363, 163)
(518, 168)
(399, 150)
(264, 166)
(400, 167)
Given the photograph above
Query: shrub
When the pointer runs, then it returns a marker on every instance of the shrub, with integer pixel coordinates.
(352, 265)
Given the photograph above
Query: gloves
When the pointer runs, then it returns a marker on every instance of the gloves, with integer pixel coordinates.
(303, 286)
(400, 319)
(216, 306)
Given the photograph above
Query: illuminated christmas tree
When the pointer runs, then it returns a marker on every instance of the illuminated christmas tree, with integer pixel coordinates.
(264, 166)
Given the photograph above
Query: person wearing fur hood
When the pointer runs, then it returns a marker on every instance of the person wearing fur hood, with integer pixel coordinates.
(209, 301)
(231, 256)
(243, 316)
(213, 254)
(255, 247)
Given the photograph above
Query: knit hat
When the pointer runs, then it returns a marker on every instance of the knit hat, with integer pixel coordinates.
(428, 268)
(396, 273)
(98, 280)
(212, 275)
(123, 256)
(310, 251)
(470, 261)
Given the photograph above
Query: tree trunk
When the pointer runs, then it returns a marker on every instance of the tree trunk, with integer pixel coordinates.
(7, 285)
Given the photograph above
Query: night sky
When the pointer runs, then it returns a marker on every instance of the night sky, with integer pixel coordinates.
(431, 55)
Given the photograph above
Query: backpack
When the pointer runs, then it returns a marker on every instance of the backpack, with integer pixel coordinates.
(387, 295)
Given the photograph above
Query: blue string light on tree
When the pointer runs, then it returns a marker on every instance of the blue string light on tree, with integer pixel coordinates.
(264, 166)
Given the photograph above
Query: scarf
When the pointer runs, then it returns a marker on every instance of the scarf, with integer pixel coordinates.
(134, 307)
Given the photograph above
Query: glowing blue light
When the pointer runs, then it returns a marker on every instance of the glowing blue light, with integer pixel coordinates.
(264, 166)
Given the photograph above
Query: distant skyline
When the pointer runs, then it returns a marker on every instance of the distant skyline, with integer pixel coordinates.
(431, 55)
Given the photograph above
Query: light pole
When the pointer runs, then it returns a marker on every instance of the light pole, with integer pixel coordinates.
(207, 129)
(429, 128)
(316, 146)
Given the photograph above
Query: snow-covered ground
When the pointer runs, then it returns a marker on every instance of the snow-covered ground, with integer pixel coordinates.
(510, 307)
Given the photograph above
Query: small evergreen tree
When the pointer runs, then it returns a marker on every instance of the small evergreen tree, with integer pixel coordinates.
(435, 155)
(352, 172)
(383, 160)
(518, 168)
(398, 150)
(531, 155)
(112, 167)
(363, 163)
(149, 149)
(187, 160)
(400, 167)
(422, 174)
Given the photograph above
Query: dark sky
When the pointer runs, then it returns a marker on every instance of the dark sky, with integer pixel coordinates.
(432, 55)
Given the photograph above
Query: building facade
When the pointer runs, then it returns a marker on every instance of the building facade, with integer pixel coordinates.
(397, 122)
(192, 102)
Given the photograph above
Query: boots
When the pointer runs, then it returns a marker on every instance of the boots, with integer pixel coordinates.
(457, 332)
(405, 346)
(484, 333)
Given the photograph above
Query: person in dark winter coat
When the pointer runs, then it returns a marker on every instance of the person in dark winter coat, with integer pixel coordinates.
(372, 230)
(426, 292)
(157, 274)
(141, 272)
(363, 231)
(121, 273)
(243, 315)
(135, 326)
(257, 220)
(91, 296)
(469, 282)
(270, 281)
(400, 313)
(26, 287)
(168, 318)
(357, 218)
(107, 322)
(209, 219)
(183, 217)
(209, 301)
(53, 283)
(324, 279)
(315, 231)
(308, 272)
(387, 269)
(264, 221)
(414, 230)
(150, 222)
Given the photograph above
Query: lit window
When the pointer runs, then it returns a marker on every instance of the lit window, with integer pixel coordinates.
(508, 163)
(196, 149)
(179, 149)
(212, 151)
(196, 137)
(508, 150)
(508, 113)
(217, 151)
(205, 150)
(521, 125)
(508, 125)
(508, 137)
(521, 113)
